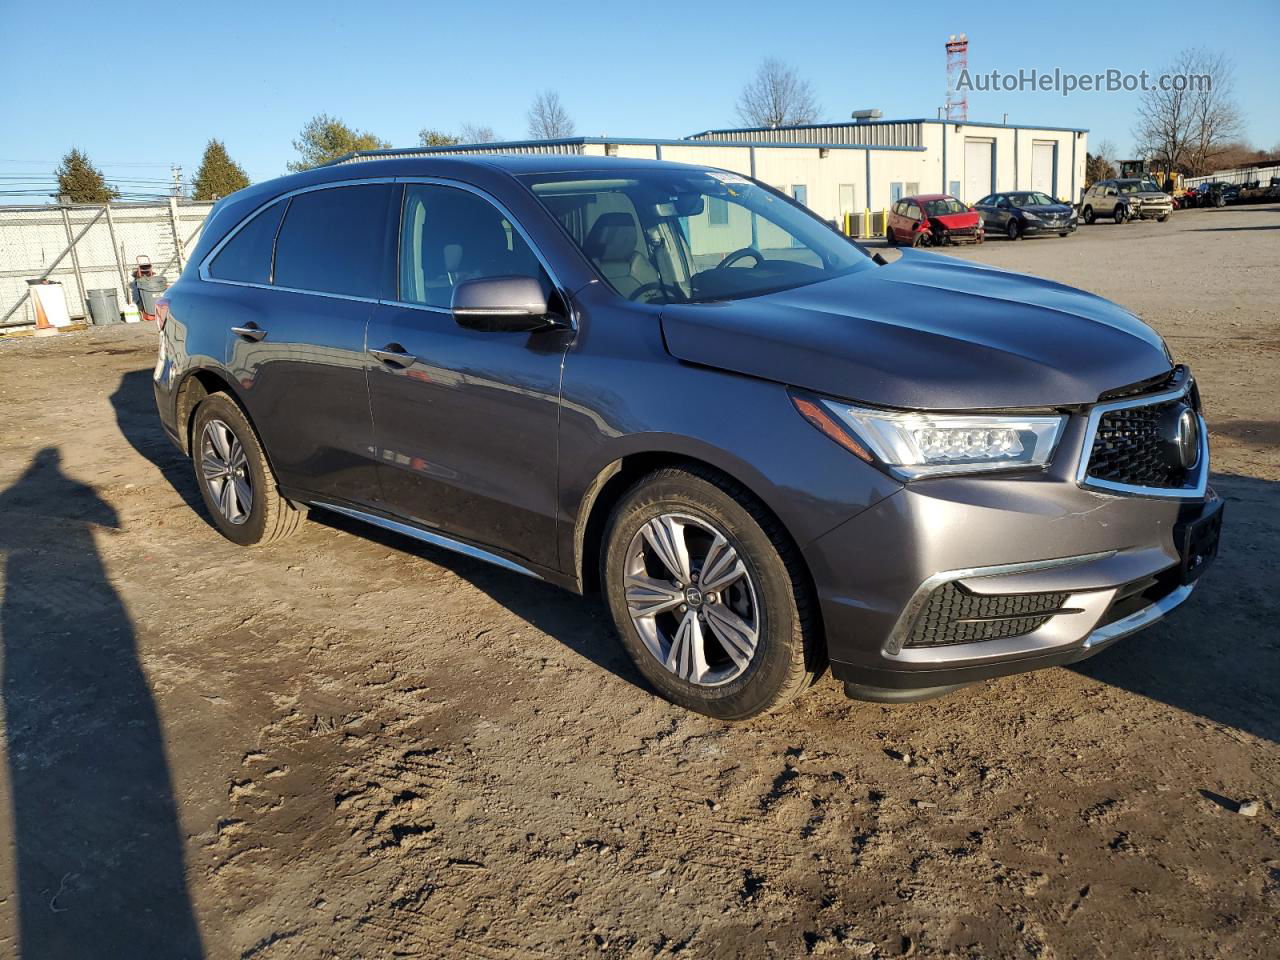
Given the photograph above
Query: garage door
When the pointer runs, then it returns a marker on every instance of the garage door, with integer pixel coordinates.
(978, 181)
(1044, 162)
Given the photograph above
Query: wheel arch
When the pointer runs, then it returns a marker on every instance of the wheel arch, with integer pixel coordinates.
(612, 482)
(195, 386)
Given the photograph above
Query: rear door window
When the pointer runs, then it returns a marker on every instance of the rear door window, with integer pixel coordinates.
(332, 241)
(247, 255)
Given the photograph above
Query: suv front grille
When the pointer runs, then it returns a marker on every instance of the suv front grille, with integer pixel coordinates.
(953, 615)
(1134, 440)
(1128, 448)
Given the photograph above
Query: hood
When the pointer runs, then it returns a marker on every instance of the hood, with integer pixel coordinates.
(951, 221)
(926, 332)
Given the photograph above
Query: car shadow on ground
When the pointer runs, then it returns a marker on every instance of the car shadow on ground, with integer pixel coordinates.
(1218, 656)
(98, 851)
(1260, 226)
(581, 625)
(134, 403)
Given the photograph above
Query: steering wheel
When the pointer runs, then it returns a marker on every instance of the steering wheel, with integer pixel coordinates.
(647, 288)
(737, 255)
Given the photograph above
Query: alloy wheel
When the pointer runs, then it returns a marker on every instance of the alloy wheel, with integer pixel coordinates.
(692, 599)
(225, 470)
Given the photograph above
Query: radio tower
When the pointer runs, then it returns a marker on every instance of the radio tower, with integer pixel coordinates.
(957, 62)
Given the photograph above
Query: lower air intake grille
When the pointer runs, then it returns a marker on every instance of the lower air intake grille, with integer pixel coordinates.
(954, 615)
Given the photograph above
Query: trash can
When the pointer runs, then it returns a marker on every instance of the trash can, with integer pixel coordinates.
(148, 290)
(104, 306)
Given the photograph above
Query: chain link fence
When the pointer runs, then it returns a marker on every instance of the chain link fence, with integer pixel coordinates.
(89, 247)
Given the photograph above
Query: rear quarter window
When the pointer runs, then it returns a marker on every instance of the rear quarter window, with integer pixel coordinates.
(332, 241)
(246, 257)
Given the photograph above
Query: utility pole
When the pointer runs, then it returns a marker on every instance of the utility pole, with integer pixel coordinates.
(175, 171)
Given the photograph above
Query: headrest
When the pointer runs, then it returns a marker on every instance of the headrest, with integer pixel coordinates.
(612, 237)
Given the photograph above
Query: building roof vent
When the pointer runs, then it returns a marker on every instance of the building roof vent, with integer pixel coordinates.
(864, 116)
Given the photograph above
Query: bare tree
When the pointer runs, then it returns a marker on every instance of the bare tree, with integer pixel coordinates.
(548, 118)
(1105, 150)
(1189, 124)
(477, 133)
(776, 97)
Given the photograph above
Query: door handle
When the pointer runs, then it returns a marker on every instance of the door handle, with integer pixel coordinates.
(395, 355)
(250, 331)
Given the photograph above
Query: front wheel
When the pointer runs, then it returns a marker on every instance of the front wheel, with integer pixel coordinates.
(1120, 214)
(1087, 213)
(1162, 219)
(922, 239)
(234, 477)
(1012, 231)
(709, 595)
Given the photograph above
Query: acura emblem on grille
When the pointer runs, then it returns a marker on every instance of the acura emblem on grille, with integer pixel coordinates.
(1188, 442)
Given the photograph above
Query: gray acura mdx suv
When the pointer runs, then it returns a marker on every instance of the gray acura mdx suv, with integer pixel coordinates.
(768, 449)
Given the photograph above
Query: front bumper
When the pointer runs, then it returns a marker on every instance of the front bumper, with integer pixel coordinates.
(1043, 226)
(1150, 211)
(1110, 561)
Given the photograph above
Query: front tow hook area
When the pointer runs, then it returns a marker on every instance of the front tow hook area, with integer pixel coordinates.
(865, 691)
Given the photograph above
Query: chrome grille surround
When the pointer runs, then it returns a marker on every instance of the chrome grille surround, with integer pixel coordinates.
(1196, 479)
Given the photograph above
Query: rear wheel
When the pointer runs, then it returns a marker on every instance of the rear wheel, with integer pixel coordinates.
(709, 595)
(235, 478)
(890, 237)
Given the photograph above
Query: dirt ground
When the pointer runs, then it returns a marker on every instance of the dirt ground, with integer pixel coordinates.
(350, 745)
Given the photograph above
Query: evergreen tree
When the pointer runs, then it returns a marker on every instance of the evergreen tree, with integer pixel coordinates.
(81, 181)
(218, 175)
(326, 138)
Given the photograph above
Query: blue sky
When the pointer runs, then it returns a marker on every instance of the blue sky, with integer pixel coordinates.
(139, 93)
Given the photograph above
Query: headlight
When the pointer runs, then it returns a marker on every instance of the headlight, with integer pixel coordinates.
(914, 445)
(1031, 216)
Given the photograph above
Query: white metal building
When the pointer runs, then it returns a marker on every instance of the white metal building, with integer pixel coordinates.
(848, 168)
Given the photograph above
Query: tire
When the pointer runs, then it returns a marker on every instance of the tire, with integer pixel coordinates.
(1119, 214)
(770, 594)
(270, 517)
(922, 239)
(890, 237)
(1162, 219)
(1087, 214)
(1065, 234)
(1013, 230)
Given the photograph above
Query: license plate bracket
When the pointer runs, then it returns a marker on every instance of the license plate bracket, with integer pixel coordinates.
(1197, 542)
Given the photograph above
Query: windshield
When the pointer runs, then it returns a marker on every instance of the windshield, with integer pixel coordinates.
(687, 236)
(940, 208)
(1033, 199)
(1132, 186)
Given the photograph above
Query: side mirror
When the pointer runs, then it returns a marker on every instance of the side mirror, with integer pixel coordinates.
(502, 305)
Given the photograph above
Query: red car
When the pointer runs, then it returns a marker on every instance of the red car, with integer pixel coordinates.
(932, 220)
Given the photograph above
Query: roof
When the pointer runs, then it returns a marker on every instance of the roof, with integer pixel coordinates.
(929, 196)
(736, 131)
(514, 163)
(571, 146)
